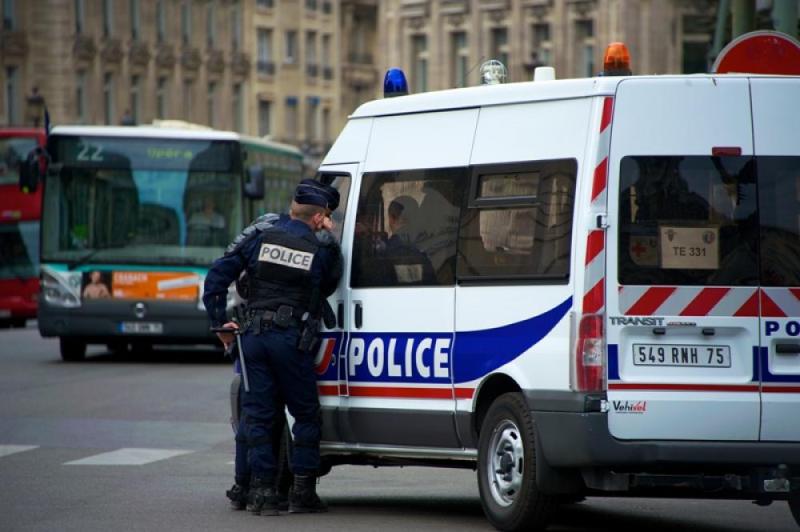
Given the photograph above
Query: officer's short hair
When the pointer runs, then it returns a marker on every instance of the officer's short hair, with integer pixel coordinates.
(305, 212)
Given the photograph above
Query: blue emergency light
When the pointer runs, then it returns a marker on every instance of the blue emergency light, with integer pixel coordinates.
(394, 83)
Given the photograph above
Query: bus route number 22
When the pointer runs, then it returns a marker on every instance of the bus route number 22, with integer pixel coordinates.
(87, 152)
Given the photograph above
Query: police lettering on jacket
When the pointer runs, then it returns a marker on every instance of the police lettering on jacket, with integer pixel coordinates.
(284, 256)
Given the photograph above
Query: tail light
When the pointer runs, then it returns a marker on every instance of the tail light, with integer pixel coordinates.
(590, 355)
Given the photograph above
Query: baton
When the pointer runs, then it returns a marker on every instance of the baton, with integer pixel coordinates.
(238, 334)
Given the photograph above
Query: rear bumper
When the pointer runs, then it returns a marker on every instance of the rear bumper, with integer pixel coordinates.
(100, 321)
(572, 437)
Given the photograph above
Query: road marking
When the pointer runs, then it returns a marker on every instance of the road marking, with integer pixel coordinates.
(6, 450)
(129, 456)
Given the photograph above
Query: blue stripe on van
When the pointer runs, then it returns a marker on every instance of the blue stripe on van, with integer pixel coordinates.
(478, 353)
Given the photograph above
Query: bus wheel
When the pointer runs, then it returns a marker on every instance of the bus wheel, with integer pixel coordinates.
(794, 505)
(507, 468)
(72, 349)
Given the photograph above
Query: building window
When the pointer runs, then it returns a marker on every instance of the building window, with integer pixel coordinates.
(186, 22)
(211, 26)
(80, 97)
(312, 114)
(459, 59)
(311, 5)
(188, 100)
(264, 44)
(9, 18)
(541, 45)
(326, 125)
(291, 118)
(238, 118)
(291, 47)
(80, 15)
(264, 117)
(134, 5)
(12, 95)
(108, 98)
(499, 45)
(108, 18)
(212, 101)
(136, 104)
(161, 97)
(419, 56)
(584, 40)
(327, 70)
(236, 26)
(311, 53)
(264, 3)
(695, 44)
(161, 21)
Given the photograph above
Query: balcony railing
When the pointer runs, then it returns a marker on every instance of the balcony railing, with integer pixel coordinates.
(266, 68)
(312, 70)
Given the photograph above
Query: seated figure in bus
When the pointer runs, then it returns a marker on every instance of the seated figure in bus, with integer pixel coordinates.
(207, 226)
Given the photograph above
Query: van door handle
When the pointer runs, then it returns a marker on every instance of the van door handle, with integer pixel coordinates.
(340, 314)
(787, 349)
(359, 315)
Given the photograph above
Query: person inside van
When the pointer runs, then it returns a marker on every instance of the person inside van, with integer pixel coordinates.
(410, 265)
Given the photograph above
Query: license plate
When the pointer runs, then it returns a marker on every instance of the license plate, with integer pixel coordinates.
(142, 327)
(682, 355)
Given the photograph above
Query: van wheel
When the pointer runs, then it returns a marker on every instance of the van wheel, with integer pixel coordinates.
(794, 506)
(507, 468)
(72, 349)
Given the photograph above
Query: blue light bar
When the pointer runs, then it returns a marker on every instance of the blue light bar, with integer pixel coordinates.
(394, 83)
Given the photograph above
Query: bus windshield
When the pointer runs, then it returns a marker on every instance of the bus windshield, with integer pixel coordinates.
(141, 201)
(13, 150)
(19, 247)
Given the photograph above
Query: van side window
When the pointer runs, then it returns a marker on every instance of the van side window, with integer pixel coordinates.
(688, 220)
(779, 206)
(519, 222)
(406, 228)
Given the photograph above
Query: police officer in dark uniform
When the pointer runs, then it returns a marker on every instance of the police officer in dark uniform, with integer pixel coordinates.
(290, 274)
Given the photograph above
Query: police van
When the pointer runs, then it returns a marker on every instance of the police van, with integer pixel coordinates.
(576, 287)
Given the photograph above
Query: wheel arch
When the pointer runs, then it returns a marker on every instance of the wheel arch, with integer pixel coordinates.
(490, 389)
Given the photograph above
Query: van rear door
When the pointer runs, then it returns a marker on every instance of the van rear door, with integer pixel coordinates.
(775, 118)
(682, 301)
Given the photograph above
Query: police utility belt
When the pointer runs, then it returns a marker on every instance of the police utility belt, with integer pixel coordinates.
(259, 320)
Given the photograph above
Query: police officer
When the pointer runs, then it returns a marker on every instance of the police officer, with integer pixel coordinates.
(289, 275)
(238, 493)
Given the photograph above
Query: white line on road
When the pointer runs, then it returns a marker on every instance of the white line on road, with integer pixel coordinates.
(6, 450)
(129, 456)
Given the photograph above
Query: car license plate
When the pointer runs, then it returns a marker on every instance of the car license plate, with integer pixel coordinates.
(682, 355)
(142, 327)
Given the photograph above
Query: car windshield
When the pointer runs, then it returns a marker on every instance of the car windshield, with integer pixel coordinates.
(141, 201)
(19, 247)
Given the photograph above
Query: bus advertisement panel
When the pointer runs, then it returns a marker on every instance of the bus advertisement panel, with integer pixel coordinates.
(133, 218)
(19, 229)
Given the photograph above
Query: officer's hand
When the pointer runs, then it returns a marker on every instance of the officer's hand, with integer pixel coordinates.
(228, 338)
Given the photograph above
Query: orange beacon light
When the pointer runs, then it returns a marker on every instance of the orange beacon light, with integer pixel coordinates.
(616, 60)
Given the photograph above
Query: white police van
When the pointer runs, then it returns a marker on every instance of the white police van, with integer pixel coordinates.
(577, 287)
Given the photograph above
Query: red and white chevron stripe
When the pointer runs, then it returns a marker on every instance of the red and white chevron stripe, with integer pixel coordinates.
(595, 266)
(709, 301)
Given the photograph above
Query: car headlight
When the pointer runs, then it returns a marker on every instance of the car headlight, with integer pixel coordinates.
(61, 288)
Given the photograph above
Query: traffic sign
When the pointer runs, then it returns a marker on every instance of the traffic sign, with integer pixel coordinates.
(760, 52)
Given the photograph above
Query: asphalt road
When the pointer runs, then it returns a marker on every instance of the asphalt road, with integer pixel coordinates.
(142, 442)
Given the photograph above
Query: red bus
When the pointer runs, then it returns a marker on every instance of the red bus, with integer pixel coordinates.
(20, 212)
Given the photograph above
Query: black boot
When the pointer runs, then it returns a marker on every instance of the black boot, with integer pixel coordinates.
(238, 496)
(262, 498)
(303, 498)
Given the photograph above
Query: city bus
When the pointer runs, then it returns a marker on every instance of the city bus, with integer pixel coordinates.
(19, 229)
(132, 219)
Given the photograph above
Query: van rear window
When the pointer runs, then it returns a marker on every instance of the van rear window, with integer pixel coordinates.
(688, 220)
(779, 202)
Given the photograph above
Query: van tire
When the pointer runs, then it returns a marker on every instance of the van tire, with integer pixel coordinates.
(72, 349)
(511, 500)
(794, 506)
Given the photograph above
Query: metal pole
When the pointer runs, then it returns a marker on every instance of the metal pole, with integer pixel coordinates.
(719, 31)
(784, 16)
(743, 15)
(241, 362)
